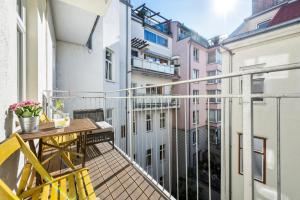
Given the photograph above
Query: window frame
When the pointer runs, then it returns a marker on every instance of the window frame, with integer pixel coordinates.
(196, 100)
(262, 22)
(214, 81)
(195, 73)
(196, 118)
(264, 154)
(21, 49)
(109, 119)
(196, 54)
(162, 152)
(216, 116)
(156, 38)
(123, 131)
(149, 121)
(110, 64)
(148, 159)
(162, 120)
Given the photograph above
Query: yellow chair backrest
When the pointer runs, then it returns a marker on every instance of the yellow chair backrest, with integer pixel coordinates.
(7, 148)
(44, 118)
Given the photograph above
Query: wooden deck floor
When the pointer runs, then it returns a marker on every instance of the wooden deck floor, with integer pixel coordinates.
(114, 177)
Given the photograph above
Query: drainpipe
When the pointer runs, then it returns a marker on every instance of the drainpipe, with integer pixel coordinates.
(231, 54)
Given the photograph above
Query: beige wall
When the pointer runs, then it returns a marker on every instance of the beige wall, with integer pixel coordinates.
(278, 47)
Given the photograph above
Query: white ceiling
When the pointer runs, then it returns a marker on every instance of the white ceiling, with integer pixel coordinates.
(72, 23)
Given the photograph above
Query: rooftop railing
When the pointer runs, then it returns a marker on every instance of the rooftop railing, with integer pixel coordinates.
(171, 145)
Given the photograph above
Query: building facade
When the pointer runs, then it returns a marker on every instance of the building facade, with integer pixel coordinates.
(151, 64)
(198, 58)
(257, 46)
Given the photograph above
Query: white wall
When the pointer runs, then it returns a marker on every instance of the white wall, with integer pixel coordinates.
(37, 71)
(278, 47)
(8, 64)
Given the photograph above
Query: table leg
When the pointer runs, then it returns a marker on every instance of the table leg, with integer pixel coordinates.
(32, 147)
(39, 156)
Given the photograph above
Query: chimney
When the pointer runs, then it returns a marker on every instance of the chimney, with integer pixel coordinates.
(261, 5)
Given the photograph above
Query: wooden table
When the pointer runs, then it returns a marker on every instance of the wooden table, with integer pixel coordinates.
(81, 127)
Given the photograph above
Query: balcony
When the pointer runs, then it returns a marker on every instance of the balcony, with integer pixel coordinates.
(114, 176)
(146, 66)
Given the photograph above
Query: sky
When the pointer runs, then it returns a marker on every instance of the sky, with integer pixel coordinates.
(208, 17)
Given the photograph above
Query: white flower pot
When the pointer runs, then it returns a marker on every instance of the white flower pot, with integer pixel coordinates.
(29, 124)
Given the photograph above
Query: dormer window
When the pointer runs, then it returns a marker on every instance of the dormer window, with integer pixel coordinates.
(263, 24)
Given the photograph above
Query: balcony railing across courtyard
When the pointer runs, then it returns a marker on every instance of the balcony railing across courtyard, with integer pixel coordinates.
(165, 137)
(153, 66)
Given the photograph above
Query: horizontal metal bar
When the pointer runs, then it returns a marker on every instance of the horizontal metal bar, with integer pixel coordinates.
(276, 68)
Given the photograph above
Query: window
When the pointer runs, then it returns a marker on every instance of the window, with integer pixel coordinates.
(123, 131)
(195, 74)
(134, 157)
(195, 93)
(214, 73)
(215, 115)
(196, 117)
(162, 41)
(161, 180)
(153, 90)
(215, 136)
(263, 24)
(162, 152)
(196, 54)
(259, 158)
(148, 122)
(21, 36)
(134, 92)
(109, 117)
(108, 64)
(148, 157)
(214, 92)
(211, 57)
(258, 88)
(134, 124)
(194, 137)
(134, 53)
(152, 37)
(162, 120)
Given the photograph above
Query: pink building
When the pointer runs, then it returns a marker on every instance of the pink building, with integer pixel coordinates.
(198, 57)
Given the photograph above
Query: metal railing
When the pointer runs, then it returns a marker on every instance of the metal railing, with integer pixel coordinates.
(177, 154)
(153, 66)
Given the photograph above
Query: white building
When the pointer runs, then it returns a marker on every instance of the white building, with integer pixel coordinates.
(151, 63)
(268, 38)
(94, 55)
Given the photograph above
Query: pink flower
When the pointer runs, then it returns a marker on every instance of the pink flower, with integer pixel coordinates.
(14, 106)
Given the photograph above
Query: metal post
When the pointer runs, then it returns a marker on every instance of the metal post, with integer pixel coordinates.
(186, 152)
(176, 135)
(247, 138)
(208, 149)
(130, 124)
(278, 152)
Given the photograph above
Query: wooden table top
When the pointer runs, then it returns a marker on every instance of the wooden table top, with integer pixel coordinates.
(48, 129)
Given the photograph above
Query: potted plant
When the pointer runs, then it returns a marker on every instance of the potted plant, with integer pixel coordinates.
(28, 113)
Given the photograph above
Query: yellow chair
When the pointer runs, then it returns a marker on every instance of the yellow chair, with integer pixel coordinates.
(58, 140)
(74, 185)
